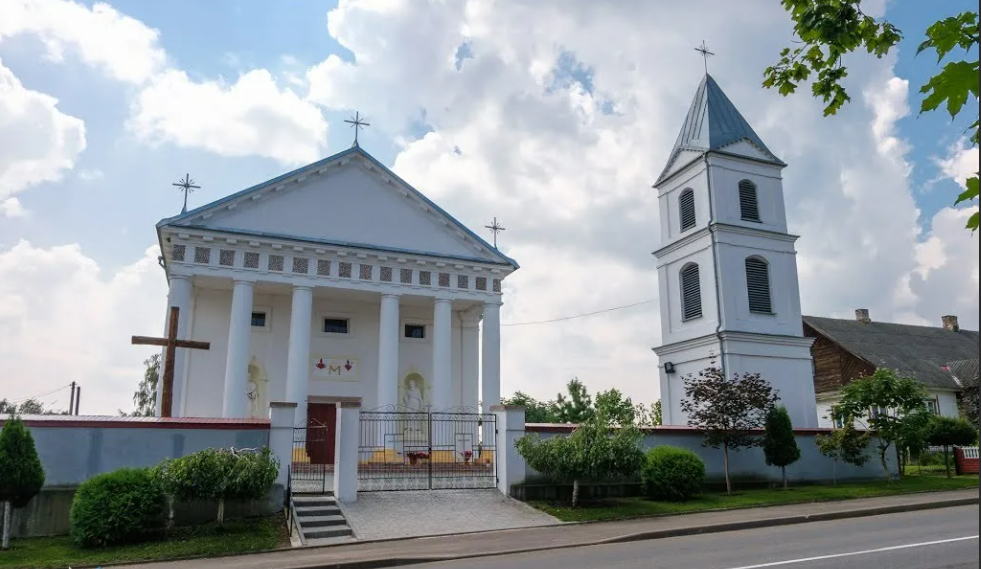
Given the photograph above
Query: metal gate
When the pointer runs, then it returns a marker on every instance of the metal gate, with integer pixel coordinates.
(312, 465)
(427, 451)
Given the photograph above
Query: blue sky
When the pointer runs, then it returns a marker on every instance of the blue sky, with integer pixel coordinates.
(555, 116)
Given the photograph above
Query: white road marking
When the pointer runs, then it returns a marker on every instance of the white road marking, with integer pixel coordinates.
(866, 552)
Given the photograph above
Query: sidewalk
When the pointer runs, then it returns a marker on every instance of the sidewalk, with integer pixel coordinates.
(367, 555)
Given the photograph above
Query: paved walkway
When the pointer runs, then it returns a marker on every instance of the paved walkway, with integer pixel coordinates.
(403, 552)
(388, 515)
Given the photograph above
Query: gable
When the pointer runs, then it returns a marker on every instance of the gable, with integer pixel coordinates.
(746, 148)
(353, 201)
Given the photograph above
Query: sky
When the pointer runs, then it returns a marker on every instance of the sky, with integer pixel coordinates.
(555, 116)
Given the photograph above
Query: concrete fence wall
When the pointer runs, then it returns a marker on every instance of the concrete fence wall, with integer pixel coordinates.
(745, 465)
(73, 449)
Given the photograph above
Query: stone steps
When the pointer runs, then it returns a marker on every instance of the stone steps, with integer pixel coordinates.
(320, 519)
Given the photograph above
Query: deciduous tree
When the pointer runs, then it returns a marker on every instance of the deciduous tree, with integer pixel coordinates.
(728, 410)
(948, 432)
(616, 407)
(829, 29)
(846, 444)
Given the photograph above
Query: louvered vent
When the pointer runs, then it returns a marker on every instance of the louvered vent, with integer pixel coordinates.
(758, 285)
(749, 206)
(686, 203)
(691, 292)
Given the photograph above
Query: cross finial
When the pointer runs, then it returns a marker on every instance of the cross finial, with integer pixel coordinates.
(187, 186)
(357, 123)
(495, 228)
(703, 49)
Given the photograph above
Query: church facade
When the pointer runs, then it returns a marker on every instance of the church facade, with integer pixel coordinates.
(727, 266)
(337, 282)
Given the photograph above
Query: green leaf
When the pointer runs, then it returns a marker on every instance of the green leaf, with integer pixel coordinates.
(955, 31)
(953, 85)
(972, 223)
(971, 193)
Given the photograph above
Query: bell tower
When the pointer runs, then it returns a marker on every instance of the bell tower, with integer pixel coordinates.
(727, 267)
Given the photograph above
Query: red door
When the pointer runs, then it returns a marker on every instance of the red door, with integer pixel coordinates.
(321, 424)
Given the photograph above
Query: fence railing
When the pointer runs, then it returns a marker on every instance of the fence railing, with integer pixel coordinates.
(970, 452)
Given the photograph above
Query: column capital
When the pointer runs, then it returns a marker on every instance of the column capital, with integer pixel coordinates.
(494, 302)
(442, 300)
(179, 278)
(394, 295)
(303, 287)
(245, 281)
(470, 318)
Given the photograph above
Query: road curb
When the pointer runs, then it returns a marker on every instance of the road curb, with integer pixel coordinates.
(655, 534)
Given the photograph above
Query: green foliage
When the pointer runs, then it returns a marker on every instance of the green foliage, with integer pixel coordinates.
(578, 407)
(123, 506)
(846, 444)
(948, 432)
(535, 411)
(671, 473)
(145, 397)
(829, 29)
(219, 474)
(619, 409)
(890, 405)
(27, 407)
(590, 453)
(728, 411)
(779, 443)
(21, 473)
(648, 416)
(968, 402)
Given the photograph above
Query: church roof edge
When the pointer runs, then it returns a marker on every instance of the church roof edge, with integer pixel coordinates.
(712, 123)
(353, 150)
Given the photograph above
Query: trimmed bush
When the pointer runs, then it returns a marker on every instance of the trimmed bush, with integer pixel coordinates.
(123, 506)
(671, 473)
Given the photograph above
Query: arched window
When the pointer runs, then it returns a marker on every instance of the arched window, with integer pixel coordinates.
(686, 207)
(749, 205)
(758, 285)
(691, 292)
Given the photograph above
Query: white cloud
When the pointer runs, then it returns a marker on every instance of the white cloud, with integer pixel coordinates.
(961, 163)
(38, 142)
(252, 116)
(125, 48)
(11, 207)
(62, 318)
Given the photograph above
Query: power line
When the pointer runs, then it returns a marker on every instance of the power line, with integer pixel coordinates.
(605, 310)
(41, 395)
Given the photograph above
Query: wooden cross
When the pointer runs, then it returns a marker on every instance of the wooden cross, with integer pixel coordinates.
(171, 343)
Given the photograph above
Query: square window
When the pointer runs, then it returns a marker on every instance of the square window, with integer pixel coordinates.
(258, 319)
(415, 331)
(335, 326)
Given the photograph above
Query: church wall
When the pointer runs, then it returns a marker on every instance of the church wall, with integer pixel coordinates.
(726, 174)
(673, 327)
(791, 377)
(784, 292)
(670, 214)
(687, 361)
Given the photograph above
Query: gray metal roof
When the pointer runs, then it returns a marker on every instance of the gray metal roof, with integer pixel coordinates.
(922, 352)
(713, 123)
(965, 371)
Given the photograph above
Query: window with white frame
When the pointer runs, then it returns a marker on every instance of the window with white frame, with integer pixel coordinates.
(691, 292)
(336, 325)
(758, 286)
(261, 319)
(749, 205)
(686, 209)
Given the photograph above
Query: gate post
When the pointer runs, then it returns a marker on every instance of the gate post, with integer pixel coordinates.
(510, 464)
(348, 440)
(281, 415)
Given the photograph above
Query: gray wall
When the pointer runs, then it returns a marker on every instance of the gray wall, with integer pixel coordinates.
(749, 464)
(72, 455)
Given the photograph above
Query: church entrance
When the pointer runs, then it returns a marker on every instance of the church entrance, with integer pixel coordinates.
(312, 465)
(427, 451)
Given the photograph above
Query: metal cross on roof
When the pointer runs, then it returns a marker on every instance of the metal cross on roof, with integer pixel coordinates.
(703, 49)
(495, 228)
(357, 123)
(187, 186)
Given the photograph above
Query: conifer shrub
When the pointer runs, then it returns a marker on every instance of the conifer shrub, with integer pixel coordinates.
(671, 473)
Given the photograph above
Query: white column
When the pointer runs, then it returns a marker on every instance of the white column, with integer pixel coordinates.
(388, 351)
(298, 358)
(490, 391)
(442, 353)
(470, 360)
(510, 464)
(346, 442)
(235, 403)
(179, 295)
(281, 420)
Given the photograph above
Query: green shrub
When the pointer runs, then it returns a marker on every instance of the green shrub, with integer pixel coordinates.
(671, 473)
(123, 506)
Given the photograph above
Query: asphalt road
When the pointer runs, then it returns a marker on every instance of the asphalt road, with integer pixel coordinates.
(935, 539)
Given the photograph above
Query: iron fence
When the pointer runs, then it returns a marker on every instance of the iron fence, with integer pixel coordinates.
(426, 451)
(311, 466)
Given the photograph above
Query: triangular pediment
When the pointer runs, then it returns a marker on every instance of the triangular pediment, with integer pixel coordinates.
(349, 199)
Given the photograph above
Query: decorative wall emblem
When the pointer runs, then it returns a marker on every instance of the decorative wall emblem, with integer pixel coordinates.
(336, 368)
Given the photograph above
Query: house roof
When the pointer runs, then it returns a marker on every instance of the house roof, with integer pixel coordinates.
(921, 352)
(186, 219)
(965, 371)
(713, 123)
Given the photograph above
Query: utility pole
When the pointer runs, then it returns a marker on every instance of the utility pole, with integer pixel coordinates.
(71, 402)
(78, 398)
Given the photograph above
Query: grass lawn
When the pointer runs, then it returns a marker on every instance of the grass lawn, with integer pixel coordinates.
(626, 508)
(207, 539)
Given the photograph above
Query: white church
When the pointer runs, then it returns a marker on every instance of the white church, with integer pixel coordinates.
(337, 282)
(727, 267)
